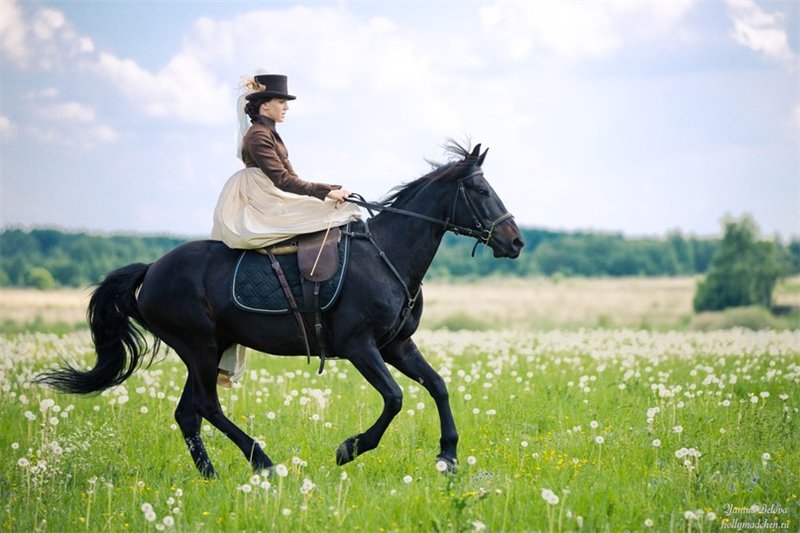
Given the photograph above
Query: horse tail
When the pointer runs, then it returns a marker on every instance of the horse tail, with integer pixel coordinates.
(119, 344)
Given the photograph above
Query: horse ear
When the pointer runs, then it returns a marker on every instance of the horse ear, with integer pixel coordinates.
(482, 157)
(475, 152)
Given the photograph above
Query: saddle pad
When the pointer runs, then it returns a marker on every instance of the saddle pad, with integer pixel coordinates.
(255, 286)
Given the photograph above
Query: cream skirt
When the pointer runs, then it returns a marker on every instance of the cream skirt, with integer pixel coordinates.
(252, 212)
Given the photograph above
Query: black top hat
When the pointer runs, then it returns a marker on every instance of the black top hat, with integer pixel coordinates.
(272, 86)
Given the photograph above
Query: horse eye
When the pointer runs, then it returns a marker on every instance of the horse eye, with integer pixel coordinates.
(483, 192)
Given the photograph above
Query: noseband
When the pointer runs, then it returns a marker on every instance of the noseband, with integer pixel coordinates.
(481, 229)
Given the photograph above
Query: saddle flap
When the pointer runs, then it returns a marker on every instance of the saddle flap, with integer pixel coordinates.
(318, 254)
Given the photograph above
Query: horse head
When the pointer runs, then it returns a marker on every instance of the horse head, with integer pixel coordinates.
(479, 212)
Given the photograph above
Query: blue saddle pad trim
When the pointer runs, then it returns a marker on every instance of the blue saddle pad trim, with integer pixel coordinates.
(255, 286)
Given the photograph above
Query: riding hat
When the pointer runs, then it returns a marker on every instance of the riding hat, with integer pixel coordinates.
(270, 86)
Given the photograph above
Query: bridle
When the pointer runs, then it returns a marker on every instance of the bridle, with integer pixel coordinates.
(481, 229)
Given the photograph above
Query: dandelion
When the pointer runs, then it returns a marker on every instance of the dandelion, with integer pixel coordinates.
(282, 471)
(690, 515)
(594, 424)
(478, 526)
(307, 486)
(168, 521)
(656, 443)
(648, 522)
(765, 458)
(471, 460)
(599, 439)
(524, 444)
(343, 475)
(23, 462)
(150, 516)
(677, 429)
(286, 512)
(407, 479)
(549, 496)
(246, 488)
(764, 394)
(441, 466)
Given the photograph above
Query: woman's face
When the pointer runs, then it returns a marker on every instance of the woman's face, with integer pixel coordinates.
(275, 109)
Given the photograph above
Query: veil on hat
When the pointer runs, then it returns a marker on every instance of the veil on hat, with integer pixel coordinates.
(247, 85)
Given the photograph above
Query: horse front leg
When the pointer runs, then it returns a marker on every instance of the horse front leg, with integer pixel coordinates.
(406, 357)
(370, 364)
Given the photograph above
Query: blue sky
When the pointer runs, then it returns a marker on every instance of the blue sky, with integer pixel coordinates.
(633, 117)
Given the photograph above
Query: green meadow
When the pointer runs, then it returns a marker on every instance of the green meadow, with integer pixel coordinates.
(587, 429)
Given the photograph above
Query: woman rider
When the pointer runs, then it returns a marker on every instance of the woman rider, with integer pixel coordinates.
(266, 202)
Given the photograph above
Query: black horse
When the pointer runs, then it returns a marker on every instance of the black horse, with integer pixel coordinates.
(184, 300)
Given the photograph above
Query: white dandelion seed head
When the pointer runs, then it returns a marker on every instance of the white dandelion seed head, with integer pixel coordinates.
(550, 497)
(599, 439)
(471, 460)
(407, 479)
(343, 475)
(656, 443)
(441, 466)
(281, 470)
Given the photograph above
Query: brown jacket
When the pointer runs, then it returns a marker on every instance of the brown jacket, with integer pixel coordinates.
(262, 147)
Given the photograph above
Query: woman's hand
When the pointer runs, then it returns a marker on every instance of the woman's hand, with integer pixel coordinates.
(339, 195)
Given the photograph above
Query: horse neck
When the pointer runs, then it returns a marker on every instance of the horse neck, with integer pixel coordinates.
(411, 243)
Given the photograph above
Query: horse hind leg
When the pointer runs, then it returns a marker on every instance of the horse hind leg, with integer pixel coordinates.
(200, 400)
(189, 421)
(206, 402)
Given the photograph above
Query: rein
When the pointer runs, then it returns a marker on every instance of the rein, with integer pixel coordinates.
(482, 230)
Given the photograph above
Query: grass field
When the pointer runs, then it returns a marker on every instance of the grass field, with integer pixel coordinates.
(591, 405)
(595, 430)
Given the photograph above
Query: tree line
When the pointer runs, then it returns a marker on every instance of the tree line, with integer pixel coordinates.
(48, 258)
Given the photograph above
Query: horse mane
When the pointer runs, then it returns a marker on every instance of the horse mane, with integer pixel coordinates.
(458, 158)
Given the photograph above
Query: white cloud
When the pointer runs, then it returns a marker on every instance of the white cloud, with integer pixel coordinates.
(5, 127)
(69, 112)
(184, 89)
(760, 31)
(43, 37)
(13, 32)
(577, 29)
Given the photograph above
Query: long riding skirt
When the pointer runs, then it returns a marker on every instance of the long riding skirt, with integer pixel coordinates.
(252, 212)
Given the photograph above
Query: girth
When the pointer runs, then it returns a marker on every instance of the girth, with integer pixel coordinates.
(318, 260)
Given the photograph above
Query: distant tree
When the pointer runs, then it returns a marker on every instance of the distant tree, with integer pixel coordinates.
(40, 278)
(743, 271)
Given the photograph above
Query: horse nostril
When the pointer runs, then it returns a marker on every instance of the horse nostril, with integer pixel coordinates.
(519, 243)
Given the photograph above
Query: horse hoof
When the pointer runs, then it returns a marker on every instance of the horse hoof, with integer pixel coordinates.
(447, 465)
(346, 452)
